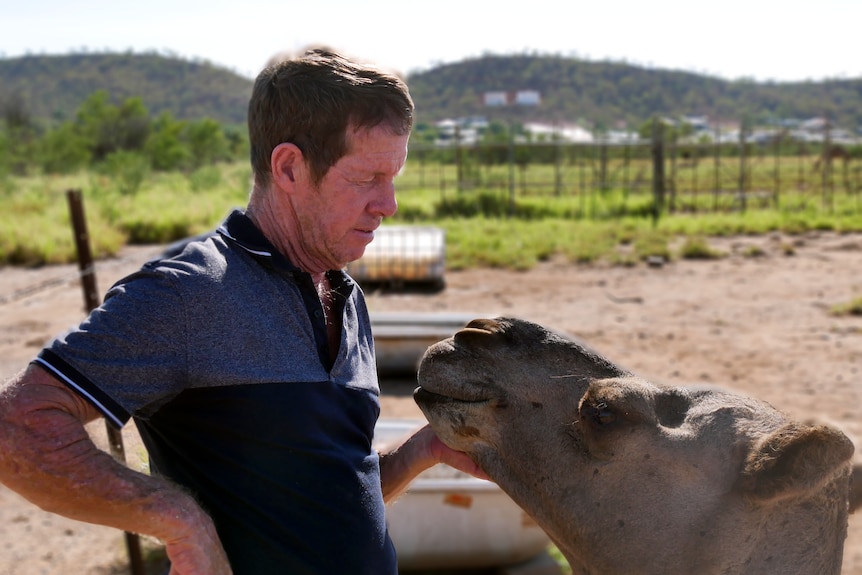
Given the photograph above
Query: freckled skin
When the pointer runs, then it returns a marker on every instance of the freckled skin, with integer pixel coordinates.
(627, 477)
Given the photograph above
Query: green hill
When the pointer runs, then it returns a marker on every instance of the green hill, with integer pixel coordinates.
(604, 93)
(595, 93)
(53, 87)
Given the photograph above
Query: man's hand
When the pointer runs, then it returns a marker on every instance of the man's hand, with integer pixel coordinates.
(420, 451)
(200, 553)
(457, 459)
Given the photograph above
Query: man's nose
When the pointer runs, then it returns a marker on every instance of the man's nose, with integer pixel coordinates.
(386, 205)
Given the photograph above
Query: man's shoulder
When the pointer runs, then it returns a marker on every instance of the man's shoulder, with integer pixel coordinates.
(198, 268)
(204, 258)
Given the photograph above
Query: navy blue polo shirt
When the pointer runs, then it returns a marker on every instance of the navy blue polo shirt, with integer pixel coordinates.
(221, 356)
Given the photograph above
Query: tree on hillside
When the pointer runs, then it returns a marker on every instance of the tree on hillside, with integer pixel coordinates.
(20, 134)
(104, 133)
(63, 150)
(165, 146)
(207, 142)
(108, 128)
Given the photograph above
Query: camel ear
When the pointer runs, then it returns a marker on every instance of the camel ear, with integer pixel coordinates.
(794, 461)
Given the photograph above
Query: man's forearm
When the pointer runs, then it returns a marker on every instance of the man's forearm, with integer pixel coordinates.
(421, 451)
(68, 475)
(400, 466)
(48, 458)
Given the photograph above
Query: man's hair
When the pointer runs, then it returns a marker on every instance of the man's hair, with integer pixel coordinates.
(312, 101)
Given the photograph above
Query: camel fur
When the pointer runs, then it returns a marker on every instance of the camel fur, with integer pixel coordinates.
(629, 477)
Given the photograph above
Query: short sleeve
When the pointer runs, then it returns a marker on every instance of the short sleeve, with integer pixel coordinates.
(129, 355)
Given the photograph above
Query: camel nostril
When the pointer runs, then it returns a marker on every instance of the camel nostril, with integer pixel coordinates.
(470, 336)
(476, 331)
(484, 324)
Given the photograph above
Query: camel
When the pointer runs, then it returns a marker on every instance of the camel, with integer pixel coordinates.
(629, 477)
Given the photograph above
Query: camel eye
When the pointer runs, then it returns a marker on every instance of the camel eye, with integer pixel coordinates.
(599, 414)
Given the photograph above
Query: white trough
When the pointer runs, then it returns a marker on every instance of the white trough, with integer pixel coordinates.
(402, 254)
(450, 520)
(400, 338)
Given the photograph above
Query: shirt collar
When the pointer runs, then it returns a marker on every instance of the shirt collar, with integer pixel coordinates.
(239, 229)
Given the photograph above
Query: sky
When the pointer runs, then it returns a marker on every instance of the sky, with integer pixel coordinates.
(761, 40)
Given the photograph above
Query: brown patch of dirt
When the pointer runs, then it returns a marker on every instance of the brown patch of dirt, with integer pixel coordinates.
(756, 321)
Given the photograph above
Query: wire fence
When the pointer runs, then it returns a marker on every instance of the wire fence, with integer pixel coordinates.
(670, 176)
(66, 275)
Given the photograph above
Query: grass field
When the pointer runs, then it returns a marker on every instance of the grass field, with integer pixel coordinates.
(504, 218)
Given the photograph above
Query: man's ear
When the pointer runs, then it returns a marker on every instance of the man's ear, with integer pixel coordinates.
(285, 160)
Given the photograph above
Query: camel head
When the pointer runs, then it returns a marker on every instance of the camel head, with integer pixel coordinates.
(630, 477)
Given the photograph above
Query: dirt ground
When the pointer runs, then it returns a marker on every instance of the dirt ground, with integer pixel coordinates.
(760, 325)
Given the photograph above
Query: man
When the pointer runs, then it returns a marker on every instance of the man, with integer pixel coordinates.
(246, 361)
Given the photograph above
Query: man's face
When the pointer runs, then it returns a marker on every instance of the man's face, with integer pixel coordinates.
(338, 218)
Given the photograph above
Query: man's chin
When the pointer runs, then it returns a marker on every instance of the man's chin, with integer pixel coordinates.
(352, 258)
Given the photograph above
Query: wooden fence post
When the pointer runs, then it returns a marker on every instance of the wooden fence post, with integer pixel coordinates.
(459, 162)
(741, 187)
(658, 183)
(826, 169)
(91, 301)
(511, 168)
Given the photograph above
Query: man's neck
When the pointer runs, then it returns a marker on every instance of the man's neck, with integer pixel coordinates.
(270, 218)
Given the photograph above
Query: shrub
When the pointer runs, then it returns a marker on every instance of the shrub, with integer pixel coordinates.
(127, 169)
(853, 307)
(205, 178)
(698, 248)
